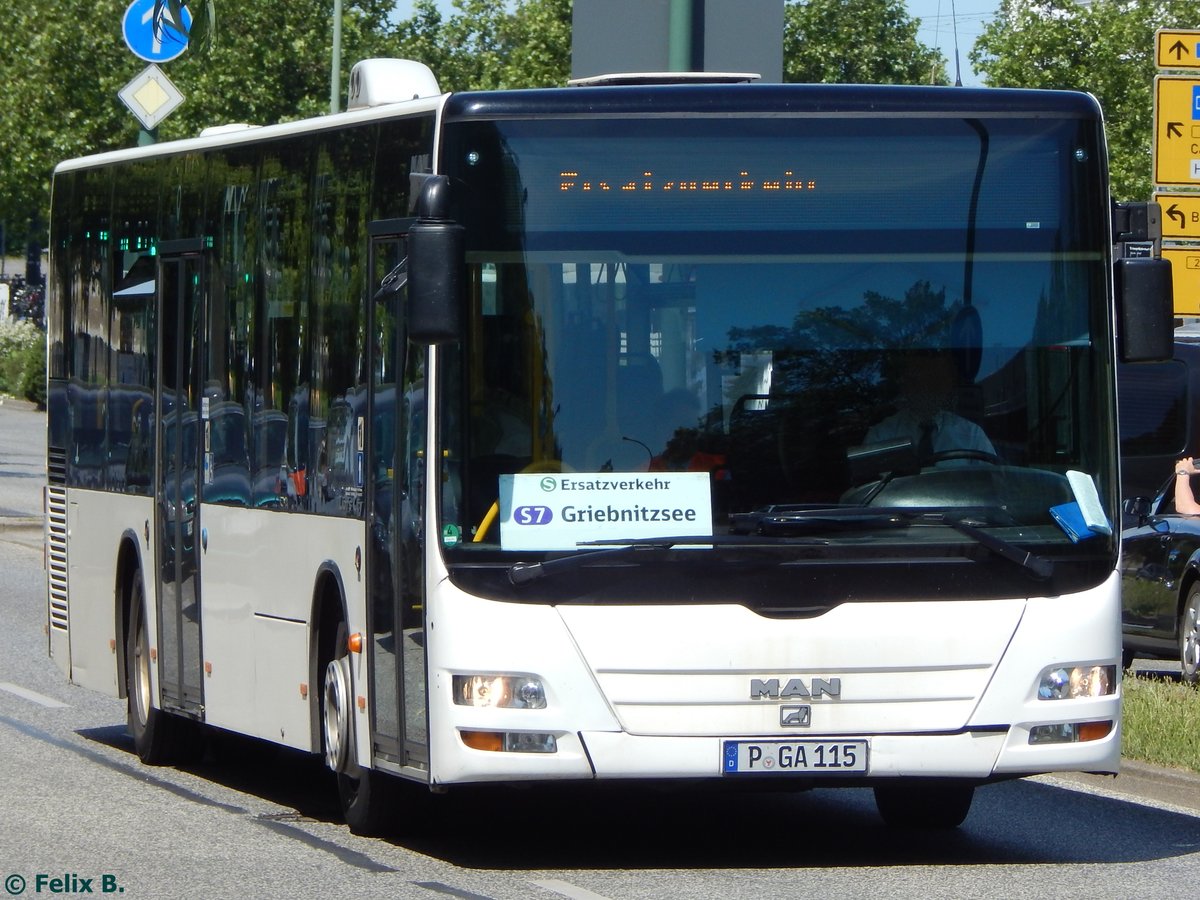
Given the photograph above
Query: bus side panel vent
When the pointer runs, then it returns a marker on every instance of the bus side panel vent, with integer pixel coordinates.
(56, 556)
(56, 465)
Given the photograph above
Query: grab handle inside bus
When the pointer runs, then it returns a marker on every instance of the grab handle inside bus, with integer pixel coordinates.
(436, 259)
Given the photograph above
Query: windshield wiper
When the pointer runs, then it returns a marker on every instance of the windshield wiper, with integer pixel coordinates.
(782, 520)
(524, 572)
(1038, 566)
(796, 521)
(788, 519)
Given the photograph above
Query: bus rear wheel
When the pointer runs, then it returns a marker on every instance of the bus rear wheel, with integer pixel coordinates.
(366, 796)
(924, 804)
(159, 738)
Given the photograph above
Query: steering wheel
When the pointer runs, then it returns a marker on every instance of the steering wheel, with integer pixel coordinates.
(541, 465)
(965, 453)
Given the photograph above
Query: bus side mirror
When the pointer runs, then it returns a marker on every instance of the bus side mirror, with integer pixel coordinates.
(1145, 309)
(436, 260)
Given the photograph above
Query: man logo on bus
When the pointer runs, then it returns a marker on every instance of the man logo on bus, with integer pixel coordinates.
(770, 689)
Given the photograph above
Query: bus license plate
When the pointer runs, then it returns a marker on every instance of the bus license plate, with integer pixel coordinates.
(778, 757)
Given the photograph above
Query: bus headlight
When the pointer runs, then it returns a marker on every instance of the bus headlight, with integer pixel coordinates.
(504, 691)
(1073, 682)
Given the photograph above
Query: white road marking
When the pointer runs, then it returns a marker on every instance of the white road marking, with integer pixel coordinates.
(566, 889)
(32, 696)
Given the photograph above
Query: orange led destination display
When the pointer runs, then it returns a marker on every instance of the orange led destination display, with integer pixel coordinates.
(649, 182)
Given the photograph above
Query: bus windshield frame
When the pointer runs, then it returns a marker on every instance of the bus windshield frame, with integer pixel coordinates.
(731, 306)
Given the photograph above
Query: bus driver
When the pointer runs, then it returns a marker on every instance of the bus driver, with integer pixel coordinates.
(927, 389)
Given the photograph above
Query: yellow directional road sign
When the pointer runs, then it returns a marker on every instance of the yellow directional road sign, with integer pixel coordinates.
(1176, 131)
(1180, 215)
(1185, 278)
(1177, 49)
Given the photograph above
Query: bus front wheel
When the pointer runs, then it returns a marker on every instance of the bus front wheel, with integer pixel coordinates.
(159, 738)
(366, 796)
(924, 804)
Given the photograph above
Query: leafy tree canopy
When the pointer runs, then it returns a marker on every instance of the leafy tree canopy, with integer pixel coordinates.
(859, 42)
(62, 78)
(486, 45)
(1105, 47)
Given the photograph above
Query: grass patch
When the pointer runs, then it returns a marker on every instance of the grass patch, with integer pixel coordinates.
(1160, 722)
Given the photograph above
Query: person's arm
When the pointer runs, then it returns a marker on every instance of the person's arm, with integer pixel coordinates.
(1185, 498)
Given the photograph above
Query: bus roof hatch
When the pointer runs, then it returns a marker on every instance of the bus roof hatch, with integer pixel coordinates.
(376, 82)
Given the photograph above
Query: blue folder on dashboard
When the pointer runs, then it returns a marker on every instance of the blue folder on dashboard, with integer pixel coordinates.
(1069, 516)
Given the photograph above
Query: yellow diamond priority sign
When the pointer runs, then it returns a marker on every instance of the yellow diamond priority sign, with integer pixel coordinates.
(150, 96)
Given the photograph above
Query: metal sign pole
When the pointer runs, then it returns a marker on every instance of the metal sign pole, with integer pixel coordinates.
(335, 67)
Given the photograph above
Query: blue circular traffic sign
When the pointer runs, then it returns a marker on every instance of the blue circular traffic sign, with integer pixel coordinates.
(153, 41)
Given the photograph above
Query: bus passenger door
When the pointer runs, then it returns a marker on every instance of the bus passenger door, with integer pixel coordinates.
(181, 432)
(394, 492)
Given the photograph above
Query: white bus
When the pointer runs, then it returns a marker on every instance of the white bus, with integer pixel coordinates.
(536, 435)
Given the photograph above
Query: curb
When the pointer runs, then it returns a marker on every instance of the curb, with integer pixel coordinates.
(18, 403)
(29, 531)
(1178, 789)
(17, 523)
(1140, 769)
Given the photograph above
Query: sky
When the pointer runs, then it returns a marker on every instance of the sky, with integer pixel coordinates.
(937, 29)
(939, 19)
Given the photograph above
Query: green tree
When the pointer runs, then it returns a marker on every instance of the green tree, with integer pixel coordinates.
(55, 75)
(269, 66)
(23, 360)
(63, 74)
(1105, 47)
(856, 42)
(485, 45)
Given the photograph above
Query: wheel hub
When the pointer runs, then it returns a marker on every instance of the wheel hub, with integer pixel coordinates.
(336, 714)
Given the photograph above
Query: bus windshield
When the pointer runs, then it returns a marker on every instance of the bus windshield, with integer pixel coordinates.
(826, 338)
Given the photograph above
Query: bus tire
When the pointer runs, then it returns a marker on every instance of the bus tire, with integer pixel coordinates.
(158, 736)
(366, 796)
(924, 804)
